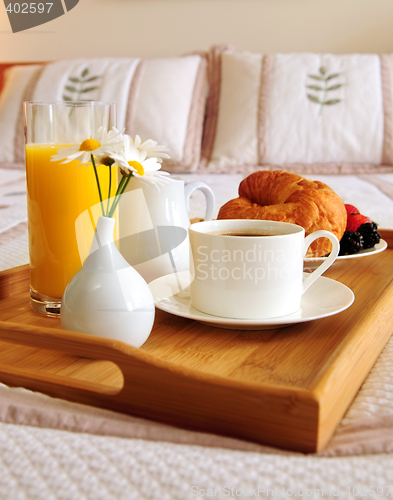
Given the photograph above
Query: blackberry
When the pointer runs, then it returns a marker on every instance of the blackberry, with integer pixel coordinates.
(351, 242)
(370, 234)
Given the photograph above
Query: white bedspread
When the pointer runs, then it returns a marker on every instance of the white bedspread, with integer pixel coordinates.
(46, 454)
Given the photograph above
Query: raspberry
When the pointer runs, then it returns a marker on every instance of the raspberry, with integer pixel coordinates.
(351, 210)
(356, 220)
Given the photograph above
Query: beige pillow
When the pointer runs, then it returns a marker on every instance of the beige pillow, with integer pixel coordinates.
(162, 99)
(315, 113)
(18, 82)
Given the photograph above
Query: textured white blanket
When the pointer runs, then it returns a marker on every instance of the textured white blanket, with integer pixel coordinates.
(46, 452)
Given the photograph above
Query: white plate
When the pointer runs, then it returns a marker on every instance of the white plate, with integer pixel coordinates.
(325, 297)
(312, 262)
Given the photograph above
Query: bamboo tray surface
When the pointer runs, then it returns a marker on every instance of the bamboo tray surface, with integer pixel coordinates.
(287, 387)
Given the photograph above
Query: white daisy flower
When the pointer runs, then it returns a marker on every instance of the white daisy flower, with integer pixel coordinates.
(113, 147)
(135, 160)
(101, 144)
(152, 148)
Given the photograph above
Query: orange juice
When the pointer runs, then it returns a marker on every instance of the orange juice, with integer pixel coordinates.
(56, 195)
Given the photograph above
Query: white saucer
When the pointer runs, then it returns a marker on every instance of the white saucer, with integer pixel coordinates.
(325, 297)
(312, 262)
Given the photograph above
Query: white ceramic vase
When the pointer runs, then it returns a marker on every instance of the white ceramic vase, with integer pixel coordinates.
(107, 297)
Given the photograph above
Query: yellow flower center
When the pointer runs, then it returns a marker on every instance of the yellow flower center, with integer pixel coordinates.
(89, 145)
(138, 167)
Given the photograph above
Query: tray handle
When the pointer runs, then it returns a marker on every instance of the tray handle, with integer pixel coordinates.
(125, 357)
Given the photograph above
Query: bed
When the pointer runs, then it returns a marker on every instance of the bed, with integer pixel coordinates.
(52, 448)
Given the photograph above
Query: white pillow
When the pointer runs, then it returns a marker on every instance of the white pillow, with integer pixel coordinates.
(170, 108)
(319, 113)
(160, 99)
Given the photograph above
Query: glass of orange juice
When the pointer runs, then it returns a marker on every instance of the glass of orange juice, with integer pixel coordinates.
(57, 193)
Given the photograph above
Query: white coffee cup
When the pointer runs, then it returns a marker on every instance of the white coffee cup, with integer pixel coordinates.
(249, 277)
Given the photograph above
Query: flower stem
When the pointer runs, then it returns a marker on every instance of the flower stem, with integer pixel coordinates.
(120, 190)
(117, 195)
(109, 190)
(98, 184)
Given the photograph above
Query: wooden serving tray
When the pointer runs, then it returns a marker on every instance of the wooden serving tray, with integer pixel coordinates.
(288, 387)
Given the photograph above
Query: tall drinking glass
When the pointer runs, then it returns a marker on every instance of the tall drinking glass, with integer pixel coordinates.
(58, 193)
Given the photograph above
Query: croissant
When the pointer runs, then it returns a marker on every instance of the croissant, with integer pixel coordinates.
(282, 196)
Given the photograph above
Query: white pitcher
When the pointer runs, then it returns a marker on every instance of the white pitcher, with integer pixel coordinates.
(153, 225)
